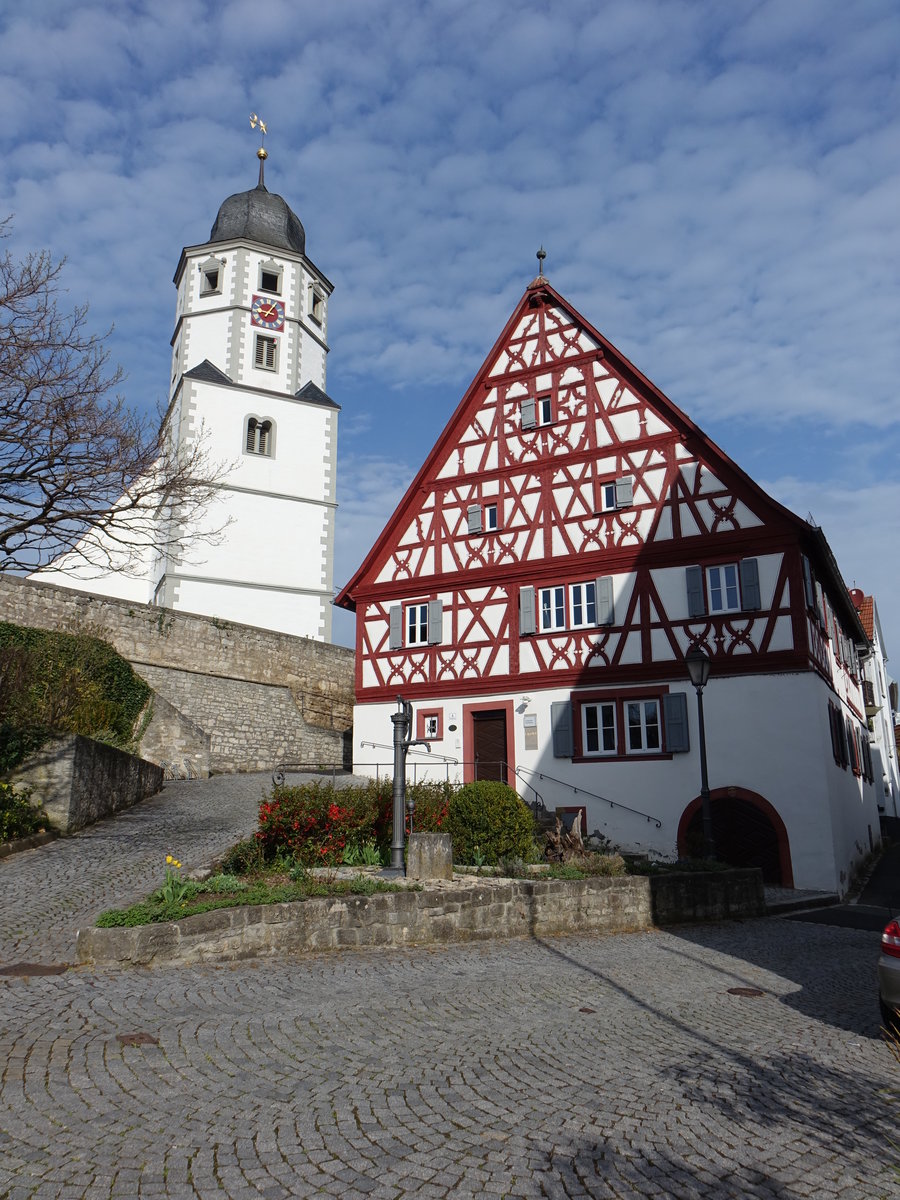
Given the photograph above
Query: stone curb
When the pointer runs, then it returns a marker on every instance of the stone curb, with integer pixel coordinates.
(28, 843)
(504, 908)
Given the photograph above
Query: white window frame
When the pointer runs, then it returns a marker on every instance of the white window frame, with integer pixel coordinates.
(601, 727)
(583, 596)
(490, 523)
(545, 409)
(261, 347)
(643, 725)
(416, 624)
(717, 586)
(431, 724)
(552, 603)
(608, 496)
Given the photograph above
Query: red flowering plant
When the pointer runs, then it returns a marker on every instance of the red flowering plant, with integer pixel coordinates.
(315, 822)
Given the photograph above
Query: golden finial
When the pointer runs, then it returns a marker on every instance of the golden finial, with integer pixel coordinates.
(262, 154)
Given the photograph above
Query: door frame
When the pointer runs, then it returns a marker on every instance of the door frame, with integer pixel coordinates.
(507, 707)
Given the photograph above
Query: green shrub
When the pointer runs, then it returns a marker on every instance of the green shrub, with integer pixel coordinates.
(18, 817)
(242, 858)
(490, 819)
(53, 683)
(316, 822)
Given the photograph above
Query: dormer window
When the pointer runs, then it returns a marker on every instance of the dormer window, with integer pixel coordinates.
(211, 277)
(270, 277)
(316, 305)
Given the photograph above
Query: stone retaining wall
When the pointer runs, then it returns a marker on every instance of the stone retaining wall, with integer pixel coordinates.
(78, 781)
(257, 697)
(488, 909)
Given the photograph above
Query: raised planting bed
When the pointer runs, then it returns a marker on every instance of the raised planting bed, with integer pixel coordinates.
(465, 908)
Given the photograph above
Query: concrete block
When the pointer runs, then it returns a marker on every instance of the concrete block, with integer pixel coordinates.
(429, 856)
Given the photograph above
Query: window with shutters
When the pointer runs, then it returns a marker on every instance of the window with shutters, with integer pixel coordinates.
(259, 436)
(578, 606)
(613, 494)
(610, 725)
(417, 624)
(481, 519)
(723, 588)
(265, 353)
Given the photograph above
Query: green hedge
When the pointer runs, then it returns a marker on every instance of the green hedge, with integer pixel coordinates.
(53, 683)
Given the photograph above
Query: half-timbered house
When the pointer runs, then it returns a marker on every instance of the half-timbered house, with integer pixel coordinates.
(569, 538)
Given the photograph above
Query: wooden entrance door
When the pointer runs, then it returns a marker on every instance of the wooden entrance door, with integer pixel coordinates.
(489, 744)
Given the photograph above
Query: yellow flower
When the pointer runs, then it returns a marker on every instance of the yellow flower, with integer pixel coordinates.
(169, 858)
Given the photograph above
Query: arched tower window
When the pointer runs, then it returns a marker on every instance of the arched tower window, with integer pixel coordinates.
(259, 436)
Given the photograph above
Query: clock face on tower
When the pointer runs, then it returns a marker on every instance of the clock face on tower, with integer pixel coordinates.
(269, 314)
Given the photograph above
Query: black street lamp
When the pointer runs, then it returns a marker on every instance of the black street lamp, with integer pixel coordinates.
(698, 665)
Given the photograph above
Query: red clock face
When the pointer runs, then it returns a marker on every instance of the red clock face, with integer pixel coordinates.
(267, 313)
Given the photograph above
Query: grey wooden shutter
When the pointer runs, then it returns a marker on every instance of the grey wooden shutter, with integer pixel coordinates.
(624, 491)
(606, 611)
(527, 622)
(561, 725)
(694, 580)
(396, 638)
(435, 621)
(528, 416)
(808, 583)
(750, 597)
(675, 715)
(473, 517)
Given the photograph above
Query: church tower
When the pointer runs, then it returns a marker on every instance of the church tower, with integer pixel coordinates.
(248, 370)
(248, 378)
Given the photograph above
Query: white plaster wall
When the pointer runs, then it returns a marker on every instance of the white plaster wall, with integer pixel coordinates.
(271, 542)
(303, 432)
(767, 734)
(281, 611)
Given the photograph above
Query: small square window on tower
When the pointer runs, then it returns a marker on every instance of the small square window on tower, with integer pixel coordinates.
(316, 305)
(211, 277)
(270, 274)
(265, 353)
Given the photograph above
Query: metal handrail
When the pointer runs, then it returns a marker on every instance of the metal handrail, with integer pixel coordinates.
(538, 801)
(594, 795)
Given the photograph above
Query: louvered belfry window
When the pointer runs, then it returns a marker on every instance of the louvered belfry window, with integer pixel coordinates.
(266, 352)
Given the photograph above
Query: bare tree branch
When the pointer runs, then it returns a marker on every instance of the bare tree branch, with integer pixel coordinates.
(82, 474)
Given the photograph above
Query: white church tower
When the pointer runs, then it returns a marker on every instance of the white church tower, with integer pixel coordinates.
(248, 370)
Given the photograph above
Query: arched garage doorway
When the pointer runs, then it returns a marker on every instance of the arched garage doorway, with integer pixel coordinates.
(747, 831)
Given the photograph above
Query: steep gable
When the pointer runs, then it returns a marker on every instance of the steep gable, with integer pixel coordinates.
(554, 420)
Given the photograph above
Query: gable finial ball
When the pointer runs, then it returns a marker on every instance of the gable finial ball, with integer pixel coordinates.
(541, 255)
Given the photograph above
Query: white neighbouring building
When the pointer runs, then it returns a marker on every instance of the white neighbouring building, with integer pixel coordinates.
(570, 537)
(880, 695)
(248, 370)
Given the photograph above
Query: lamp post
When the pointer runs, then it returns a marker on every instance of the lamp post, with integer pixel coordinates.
(698, 665)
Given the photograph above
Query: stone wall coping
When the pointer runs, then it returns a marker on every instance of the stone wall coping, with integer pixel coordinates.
(461, 909)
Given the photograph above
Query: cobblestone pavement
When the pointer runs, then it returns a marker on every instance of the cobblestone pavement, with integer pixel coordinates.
(569, 1067)
(600, 1067)
(49, 892)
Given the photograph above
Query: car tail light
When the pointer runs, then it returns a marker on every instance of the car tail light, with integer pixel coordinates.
(890, 939)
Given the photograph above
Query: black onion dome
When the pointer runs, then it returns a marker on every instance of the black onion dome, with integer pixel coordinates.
(259, 216)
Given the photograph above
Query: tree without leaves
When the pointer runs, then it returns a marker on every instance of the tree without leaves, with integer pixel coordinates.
(81, 473)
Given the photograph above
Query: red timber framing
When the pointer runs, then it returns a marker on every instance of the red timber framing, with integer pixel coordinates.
(555, 424)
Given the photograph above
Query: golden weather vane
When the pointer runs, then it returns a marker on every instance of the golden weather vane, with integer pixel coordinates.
(257, 122)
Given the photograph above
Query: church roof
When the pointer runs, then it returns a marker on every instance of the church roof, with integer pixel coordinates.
(208, 373)
(315, 395)
(259, 216)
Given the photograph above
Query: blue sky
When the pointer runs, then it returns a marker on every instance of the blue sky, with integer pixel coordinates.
(717, 186)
